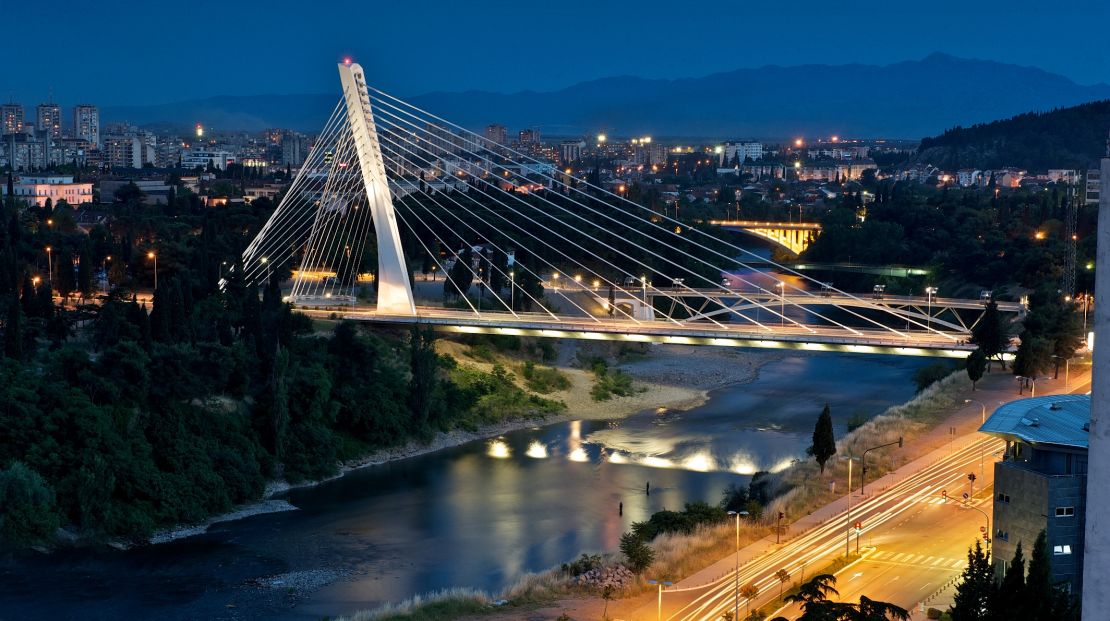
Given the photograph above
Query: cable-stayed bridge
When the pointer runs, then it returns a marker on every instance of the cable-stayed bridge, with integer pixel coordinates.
(515, 246)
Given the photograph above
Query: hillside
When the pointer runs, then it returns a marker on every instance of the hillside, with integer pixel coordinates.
(1062, 138)
(900, 100)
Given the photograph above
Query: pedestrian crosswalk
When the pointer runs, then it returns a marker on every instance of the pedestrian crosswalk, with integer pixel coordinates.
(923, 560)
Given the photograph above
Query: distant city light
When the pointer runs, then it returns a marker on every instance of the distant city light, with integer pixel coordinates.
(601, 138)
(1039, 235)
(798, 142)
(836, 138)
(718, 149)
(200, 130)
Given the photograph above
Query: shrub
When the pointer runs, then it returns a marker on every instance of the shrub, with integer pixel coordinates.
(928, 375)
(544, 379)
(27, 512)
(637, 552)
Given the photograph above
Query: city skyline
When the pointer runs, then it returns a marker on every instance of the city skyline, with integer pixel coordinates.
(572, 42)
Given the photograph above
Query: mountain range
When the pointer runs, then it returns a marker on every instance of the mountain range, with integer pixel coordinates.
(907, 99)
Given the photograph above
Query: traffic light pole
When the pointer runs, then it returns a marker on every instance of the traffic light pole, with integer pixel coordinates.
(863, 460)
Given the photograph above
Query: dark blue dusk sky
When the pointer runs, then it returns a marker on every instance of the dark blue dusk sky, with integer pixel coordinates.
(113, 52)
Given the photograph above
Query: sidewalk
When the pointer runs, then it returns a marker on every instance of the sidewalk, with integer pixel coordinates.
(930, 448)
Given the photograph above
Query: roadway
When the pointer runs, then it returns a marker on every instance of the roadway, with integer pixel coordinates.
(895, 521)
(914, 542)
(767, 335)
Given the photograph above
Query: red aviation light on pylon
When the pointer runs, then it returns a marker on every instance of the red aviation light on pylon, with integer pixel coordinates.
(346, 60)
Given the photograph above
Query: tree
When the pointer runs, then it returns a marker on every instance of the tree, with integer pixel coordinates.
(422, 384)
(990, 334)
(824, 442)
(1009, 597)
(85, 271)
(813, 597)
(784, 577)
(1033, 356)
(872, 610)
(976, 365)
(13, 330)
(973, 596)
(27, 510)
(749, 592)
(637, 552)
(461, 275)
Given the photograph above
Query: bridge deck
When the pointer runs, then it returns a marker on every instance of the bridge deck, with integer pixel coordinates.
(810, 338)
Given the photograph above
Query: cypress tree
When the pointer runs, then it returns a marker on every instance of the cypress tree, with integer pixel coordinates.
(824, 442)
(1039, 592)
(84, 270)
(13, 330)
(1009, 598)
(976, 588)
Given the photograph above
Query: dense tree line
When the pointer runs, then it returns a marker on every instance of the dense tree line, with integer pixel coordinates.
(968, 237)
(1022, 593)
(115, 421)
(1062, 138)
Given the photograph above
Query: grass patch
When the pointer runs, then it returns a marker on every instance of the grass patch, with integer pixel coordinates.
(608, 382)
(438, 606)
(543, 380)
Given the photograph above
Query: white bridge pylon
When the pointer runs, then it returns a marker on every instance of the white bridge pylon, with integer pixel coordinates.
(339, 193)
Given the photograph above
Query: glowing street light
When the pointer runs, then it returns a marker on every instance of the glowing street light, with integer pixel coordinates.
(50, 267)
(151, 255)
(798, 142)
(930, 292)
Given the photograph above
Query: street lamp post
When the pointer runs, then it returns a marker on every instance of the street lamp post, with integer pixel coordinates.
(736, 572)
(983, 419)
(643, 284)
(848, 530)
(661, 583)
(50, 268)
(929, 293)
(152, 255)
(512, 289)
(863, 462)
(782, 302)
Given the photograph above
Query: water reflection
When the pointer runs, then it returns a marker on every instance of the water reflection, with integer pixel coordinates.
(478, 515)
(537, 450)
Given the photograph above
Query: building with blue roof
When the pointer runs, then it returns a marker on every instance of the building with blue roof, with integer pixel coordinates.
(1041, 482)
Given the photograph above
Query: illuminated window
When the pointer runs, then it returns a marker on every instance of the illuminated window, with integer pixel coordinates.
(1061, 550)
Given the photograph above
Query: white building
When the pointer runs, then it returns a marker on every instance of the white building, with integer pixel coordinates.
(192, 158)
(571, 150)
(55, 188)
(969, 177)
(746, 151)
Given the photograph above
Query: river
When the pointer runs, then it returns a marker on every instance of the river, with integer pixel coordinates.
(477, 515)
